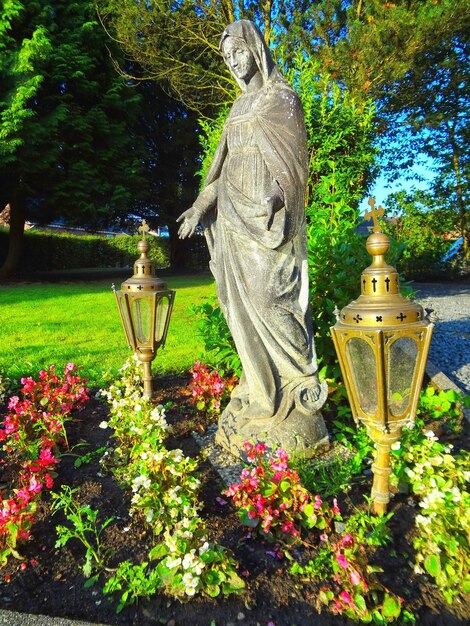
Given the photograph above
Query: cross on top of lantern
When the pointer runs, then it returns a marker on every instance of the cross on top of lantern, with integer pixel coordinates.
(382, 341)
(145, 306)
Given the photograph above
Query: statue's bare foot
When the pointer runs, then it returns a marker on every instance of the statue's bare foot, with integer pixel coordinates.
(311, 394)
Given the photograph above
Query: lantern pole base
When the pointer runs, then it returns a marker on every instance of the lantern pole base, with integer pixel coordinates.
(381, 469)
(146, 359)
(148, 387)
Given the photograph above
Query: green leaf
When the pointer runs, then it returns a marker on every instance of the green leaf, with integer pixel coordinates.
(391, 606)
(158, 552)
(360, 602)
(268, 490)
(252, 522)
(432, 564)
(91, 581)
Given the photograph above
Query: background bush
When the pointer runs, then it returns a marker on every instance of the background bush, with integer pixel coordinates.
(62, 251)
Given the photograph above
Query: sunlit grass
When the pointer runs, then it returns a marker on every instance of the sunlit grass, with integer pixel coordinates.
(57, 323)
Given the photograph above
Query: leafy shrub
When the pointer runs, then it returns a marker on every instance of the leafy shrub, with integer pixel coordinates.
(59, 251)
(219, 346)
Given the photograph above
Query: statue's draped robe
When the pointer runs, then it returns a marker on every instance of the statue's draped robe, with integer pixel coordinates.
(261, 274)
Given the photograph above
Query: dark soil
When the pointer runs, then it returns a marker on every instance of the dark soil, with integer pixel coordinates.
(52, 583)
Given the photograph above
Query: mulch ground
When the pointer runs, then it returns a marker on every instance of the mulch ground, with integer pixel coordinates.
(54, 584)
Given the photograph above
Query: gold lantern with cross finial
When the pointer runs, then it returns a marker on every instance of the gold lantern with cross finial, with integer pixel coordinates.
(145, 306)
(382, 341)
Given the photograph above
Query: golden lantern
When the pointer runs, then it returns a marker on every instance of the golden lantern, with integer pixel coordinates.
(382, 341)
(145, 306)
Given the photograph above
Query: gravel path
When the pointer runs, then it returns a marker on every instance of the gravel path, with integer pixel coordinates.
(450, 345)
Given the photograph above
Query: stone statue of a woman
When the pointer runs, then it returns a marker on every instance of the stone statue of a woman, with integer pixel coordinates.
(253, 210)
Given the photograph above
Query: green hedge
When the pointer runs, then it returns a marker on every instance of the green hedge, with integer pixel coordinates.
(61, 251)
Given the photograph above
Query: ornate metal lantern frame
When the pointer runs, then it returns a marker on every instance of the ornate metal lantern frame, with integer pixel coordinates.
(145, 305)
(382, 341)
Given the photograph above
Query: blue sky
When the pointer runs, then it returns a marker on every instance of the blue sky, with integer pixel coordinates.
(420, 177)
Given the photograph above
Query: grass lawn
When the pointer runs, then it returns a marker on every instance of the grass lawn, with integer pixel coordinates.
(45, 323)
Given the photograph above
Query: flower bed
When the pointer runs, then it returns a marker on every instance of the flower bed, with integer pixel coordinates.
(140, 521)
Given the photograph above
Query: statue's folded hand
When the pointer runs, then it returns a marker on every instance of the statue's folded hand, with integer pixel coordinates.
(273, 204)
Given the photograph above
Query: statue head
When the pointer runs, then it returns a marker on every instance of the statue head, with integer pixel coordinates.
(245, 52)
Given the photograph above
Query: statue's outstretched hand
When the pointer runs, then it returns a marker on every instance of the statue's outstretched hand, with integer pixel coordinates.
(190, 219)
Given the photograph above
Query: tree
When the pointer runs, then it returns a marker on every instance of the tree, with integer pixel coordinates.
(175, 42)
(169, 132)
(412, 58)
(67, 119)
(434, 99)
(419, 225)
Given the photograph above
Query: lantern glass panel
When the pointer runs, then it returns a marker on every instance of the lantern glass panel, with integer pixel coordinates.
(163, 304)
(141, 312)
(125, 317)
(362, 365)
(401, 365)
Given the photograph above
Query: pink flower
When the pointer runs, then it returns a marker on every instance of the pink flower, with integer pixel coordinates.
(260, 448)
(318, 502)
(13, 402)
(323, 537)
(232, 490)
(70, 367)
(34, 485)
(342, 560)
(337, 607)
(347, 541)
(355, 577)
(335, 507)
(346, 598)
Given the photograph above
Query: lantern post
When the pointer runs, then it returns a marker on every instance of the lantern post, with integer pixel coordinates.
(382, 341)
(145, 305)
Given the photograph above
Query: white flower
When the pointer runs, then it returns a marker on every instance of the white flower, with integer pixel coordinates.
(149, 516)
(188, 559)
(172, 562)
(103, 424)
(171, 543)
(396, 445)
(204, 548)
(190, 582)
(137, 408)
(430, 435)
(141, 481)
(175, 455)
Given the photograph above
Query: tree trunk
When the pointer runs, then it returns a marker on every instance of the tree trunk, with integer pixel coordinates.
(459, 191)
(15, 241)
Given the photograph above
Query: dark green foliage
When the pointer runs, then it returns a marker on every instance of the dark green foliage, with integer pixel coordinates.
(66, 119)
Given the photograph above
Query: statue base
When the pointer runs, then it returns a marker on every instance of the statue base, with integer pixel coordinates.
(302, 434)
